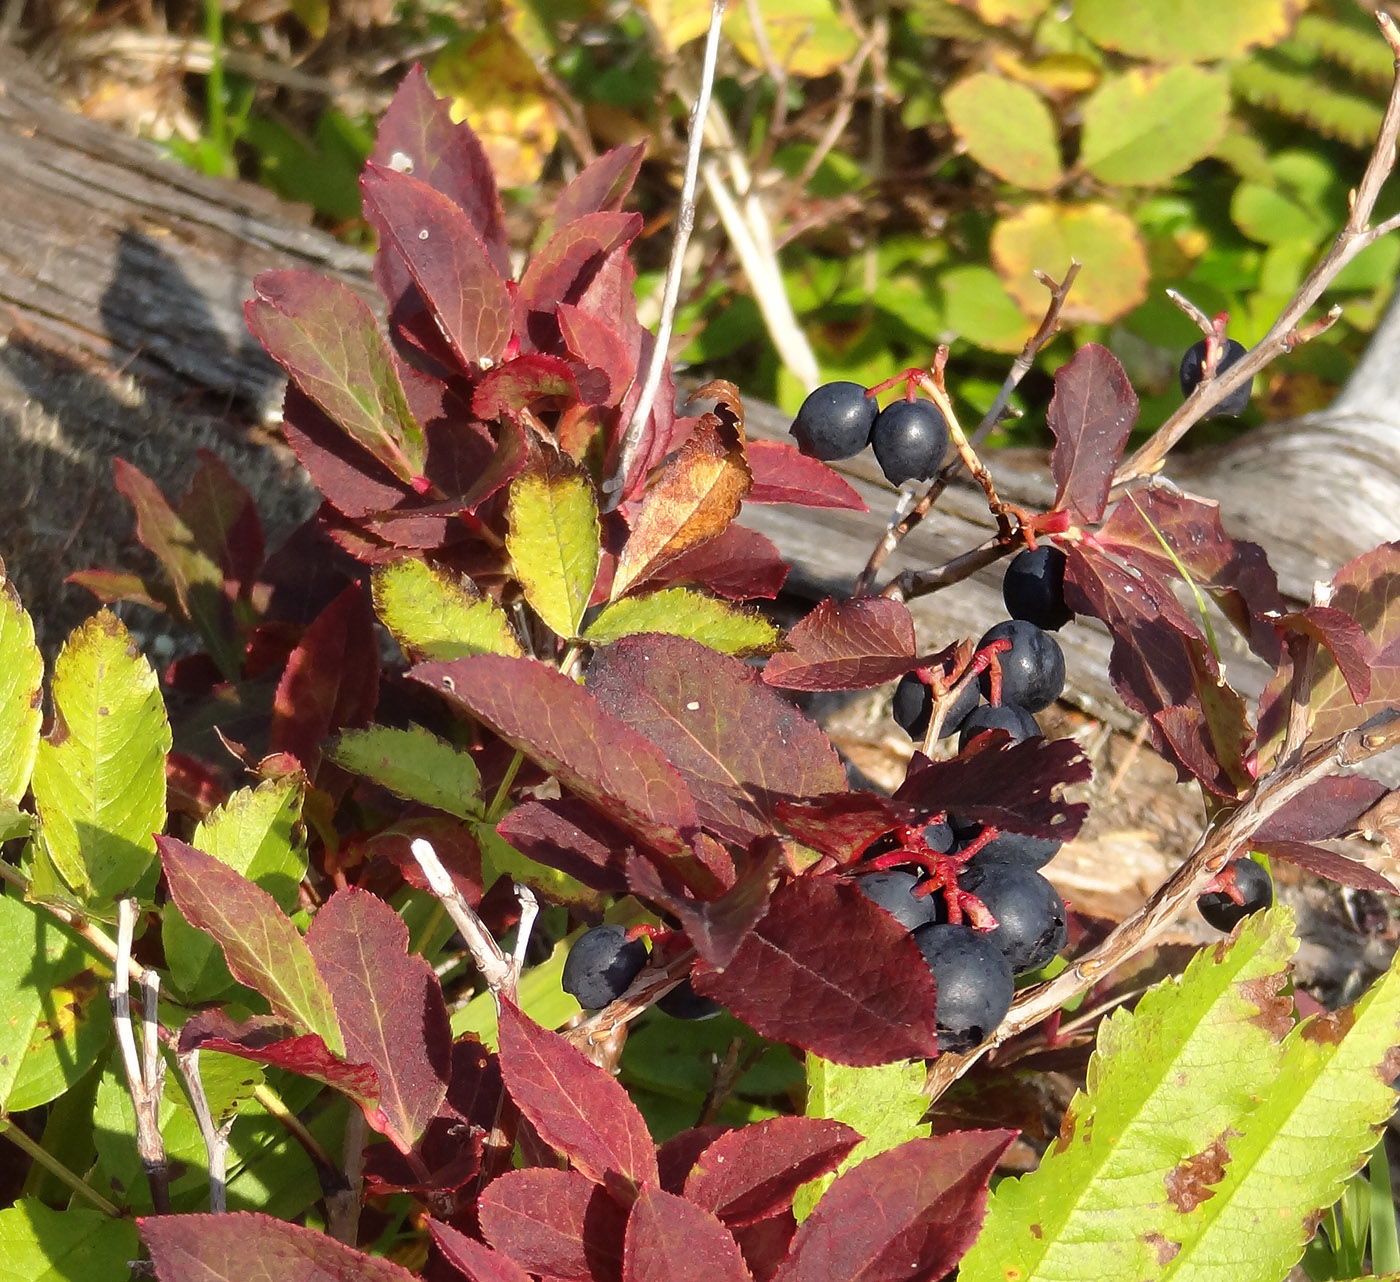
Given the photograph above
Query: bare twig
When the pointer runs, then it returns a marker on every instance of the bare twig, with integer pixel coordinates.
(529, 910)
(215, 1136)
(343, 1205)
(598, 1035)
(42, 1157)
(914, 583)
(685, 222)
(145, 1069)
(495, 966)
(1216, 847)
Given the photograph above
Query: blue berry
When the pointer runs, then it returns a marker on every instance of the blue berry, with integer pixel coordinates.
(910, 439)
(1030, 914)
(1253, 882)
(834, 421)
(1034, 587)
(602, 965)
(1016, 721)
(974, 983)
(1193, 370)
(894, 890)
(1032, 671)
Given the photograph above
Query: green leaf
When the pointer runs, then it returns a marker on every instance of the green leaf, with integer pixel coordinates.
(1213, 1131)
(435, 615)
(977, 307)
(325, 336)
(21, 680)
(99, 778)
(261, 945)
(1184, 30)
(541, 998)
(1269, 216)
(57, 1018)
(255, 832)
(415, 765)
(685, 613)
(73, 1245)
(885, 1104)
(554, 543)
(500, 859)
(1006, 128)
(14, 822)
(1145, 127)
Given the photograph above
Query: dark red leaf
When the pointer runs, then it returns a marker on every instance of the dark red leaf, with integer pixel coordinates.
(556, 1223)
(418, 137)
(846, 645)
(1329, 808)
(477, 1263)
(447, 259)
(910, 1212)
(843, 824)
(766, 1244)
(1091, 414)
(389, 1004)
(453, 840)
(678, 1155)
(672, 1240)
(753, 1173)
(783, 474)
(567, 834)
(523, 383)
(354, 482)
(599, 343)
(475, 1092)
(1235, 572)
(579, 1109)
(563, 269)
(331, 681)
(602, 185)
(829, 971)
(1345, 640)
(738, 564)
(241, 1245)
(266, 1039)
(1012, 785)
(1326, 863)
(566, 731)
(223, 517)
(739, 747)
(447, 1158)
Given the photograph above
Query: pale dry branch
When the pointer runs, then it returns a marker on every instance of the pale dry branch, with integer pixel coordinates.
(495, 967)
(215, 1137)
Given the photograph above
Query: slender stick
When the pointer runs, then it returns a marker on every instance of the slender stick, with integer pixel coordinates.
(494, 965)
(685, 223)
(275, 1106)
(215, 1137)
(16, 1135)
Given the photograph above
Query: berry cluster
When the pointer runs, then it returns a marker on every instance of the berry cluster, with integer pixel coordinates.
(909, 437)
(605, 960)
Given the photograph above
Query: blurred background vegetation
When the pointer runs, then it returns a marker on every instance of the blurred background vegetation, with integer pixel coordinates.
(885, 175)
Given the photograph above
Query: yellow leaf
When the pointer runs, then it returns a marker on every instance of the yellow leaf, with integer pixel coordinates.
(805, 37)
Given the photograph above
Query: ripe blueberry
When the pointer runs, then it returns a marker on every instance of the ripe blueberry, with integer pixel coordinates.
(893, 890)
(835, 421)
(1032, 671)
(1193, 369)
(1034, 587)
(913, 707)
(601, 965)
(1016, 721)
(1030, 915)
(974, 983)
(1010, 847)
(910, 439)
(1253, 882)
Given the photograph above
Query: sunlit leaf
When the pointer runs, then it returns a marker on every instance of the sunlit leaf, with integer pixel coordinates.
(1147, 125)
(433, 614)
(75, 1244)
(1185, 30)
(21, 679)
(1006, 128)
(554, 542)
(682, 612)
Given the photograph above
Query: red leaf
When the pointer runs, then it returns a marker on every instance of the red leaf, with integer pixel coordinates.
(846, 645)
(564, 268)
(910, 1212)
(565, 730)
(389, 1004)
(766, 1244)
(598, 343)
(354, 482)
(453, 840)
(265, 1039)
(828, 970)
(843, 824)
(739, 747)
(448, 261)
(556, 1223)
(447, 1158)
(1091, 414)
(1012, 785)
(602, 184)
(1345, 641)
(223, 517)
(417, 135)
(579, 1109)
(672, 1240)
(567, 834)
(1326, 863)
(522, 383)
(474, 1261)
(331, 682)
(783, 474)
(753, 1173)
(738, 564)
(1329, 808)
(238, 1246)
(678, 1155)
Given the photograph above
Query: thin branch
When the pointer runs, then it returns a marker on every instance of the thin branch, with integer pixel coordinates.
(685, 222)
(277, 1108)
(914, 583)
(599, 1036)
(1216, 847)
(38, 1154)
(215, 1136)
(529, 910)
(494, 965)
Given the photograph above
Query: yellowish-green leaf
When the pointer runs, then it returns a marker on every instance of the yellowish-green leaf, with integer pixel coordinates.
(1114, 274)
(684, 612)
(977, 307)
(1006, 128)
(541, 998)
(1185, 30)
(1271, 217)
(884, 1103)
(1005, 12)
(99, 777)
(255, 832)
(804, 37)
(496, 88)
(1148, 125)
(21, 680)
(435, 615)
(76, 1244)
(415, 765)
(554, 543)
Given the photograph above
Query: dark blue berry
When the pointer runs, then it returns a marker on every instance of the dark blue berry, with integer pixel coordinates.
(1034, 587)
(913, 707)
(1030, 914)
(1011, 847)
(939, 836)
(601, 965)
(1032, 671)
(1193, 370)
(894, 890)
(835, 421)
(910, 439)
(974, 983)
(1253, 882)
(1016, 721)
